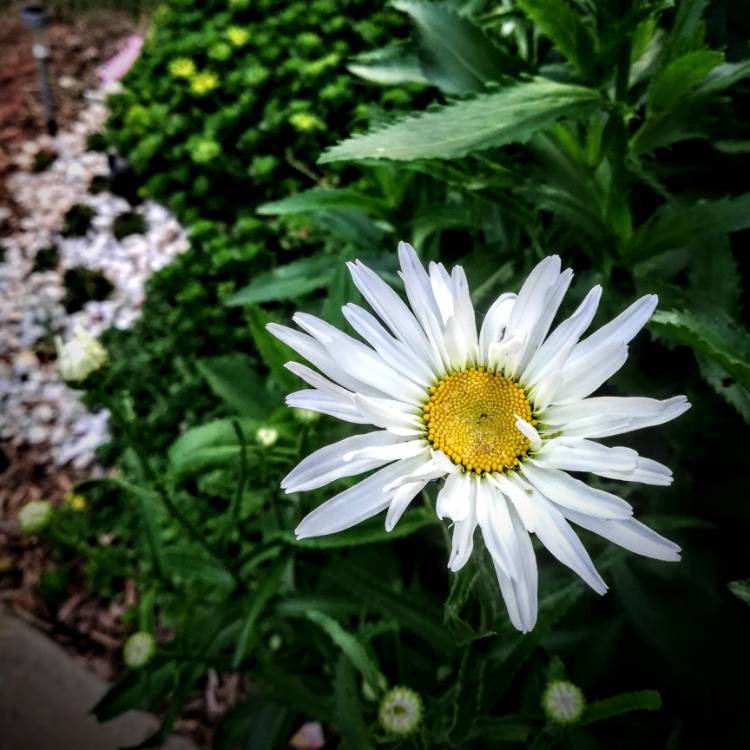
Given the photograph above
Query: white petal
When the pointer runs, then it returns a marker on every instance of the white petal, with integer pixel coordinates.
(397, 354)
(521, 495)
(366, 365)
(557, 536)
(390, 451)
(608, 415)
(620, 330)
(327, 403)
(400, 502)
(582, 377)
(463, 311)
(330, 462)
(462, 542)
(390, 414)
(498, 533)
(422, 300)
(564, 490)
(392, 310)
(543, 372)
(317, 380)
(454, 499)
(529, 431)
(493, 326)
(356, 504)
(579, 454)
(437, 467)
(646, 471)
(442, 290)
(313, 351)
(630, 534)
(520, 594)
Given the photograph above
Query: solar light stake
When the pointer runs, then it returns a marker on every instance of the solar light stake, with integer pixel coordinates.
(35, 19)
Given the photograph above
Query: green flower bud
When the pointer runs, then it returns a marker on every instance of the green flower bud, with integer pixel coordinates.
(139, 649)
(267, 436)
(563, 702)
(400, 711)
(35, 516)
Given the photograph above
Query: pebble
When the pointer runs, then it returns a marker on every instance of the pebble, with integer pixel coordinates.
(37, 408)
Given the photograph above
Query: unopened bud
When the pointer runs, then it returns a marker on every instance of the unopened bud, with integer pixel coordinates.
(139, 649)
(35, 516)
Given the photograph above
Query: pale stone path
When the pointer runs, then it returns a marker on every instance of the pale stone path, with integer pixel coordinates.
(46, 697)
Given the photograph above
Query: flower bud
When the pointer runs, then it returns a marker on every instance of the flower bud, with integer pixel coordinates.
(563, 702)
(305, 416)
(80, 357)
(267, 436)
(35, 516)
(139, 649)
(74, 501)
(400, 711)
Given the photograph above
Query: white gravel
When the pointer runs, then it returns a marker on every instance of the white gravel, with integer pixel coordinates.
(35, 406)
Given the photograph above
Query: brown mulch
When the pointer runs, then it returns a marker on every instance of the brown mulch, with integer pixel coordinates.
(77, 48)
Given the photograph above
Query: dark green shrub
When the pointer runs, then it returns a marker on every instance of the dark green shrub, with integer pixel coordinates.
(46, 259)
(128, 223)
(82, 285)
(77, 220)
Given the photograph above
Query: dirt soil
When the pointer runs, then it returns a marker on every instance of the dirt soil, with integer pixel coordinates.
(77, 48)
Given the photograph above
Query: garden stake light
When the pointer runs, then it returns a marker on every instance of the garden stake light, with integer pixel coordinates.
(35, 19)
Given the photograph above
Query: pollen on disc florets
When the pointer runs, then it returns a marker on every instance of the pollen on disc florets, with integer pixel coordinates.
(471, 417)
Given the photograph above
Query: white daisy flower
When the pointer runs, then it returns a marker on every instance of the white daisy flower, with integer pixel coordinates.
(502, 415)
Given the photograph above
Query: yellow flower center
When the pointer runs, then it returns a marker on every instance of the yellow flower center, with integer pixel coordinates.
(471, 417)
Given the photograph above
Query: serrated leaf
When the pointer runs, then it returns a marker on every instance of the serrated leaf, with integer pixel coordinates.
(289, 281)
(208, 446)
(641, 700)
(724, 385)
(455, 54)
(348, 708)
(680, 77)
(715, 279)
(233, 379)
(558, 20)
(509, 115)
(679, 225)
(719, 337)
(389, 66)
(741, 589)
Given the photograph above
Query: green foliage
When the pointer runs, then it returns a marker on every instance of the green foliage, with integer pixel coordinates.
(548, 133)
(509, 115)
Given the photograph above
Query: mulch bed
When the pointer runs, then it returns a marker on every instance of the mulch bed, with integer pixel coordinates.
(77, 48)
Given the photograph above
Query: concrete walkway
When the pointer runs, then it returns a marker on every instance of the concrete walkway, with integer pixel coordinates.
(46, 696)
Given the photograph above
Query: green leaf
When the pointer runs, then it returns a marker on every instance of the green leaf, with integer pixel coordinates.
(414, 612)
(456, 55)
(715, 279)
(135, 689)
(741, 589)
(235, 381)
(273, 353)
(317, 199)
(289, 281)
(257, 724)
(389, 66)
(503, 729)
(294, 691)
(558, 20)
(209, 446)
(678, 225)
(354, 651)
(719, 337)
(641, 700)
(508, 115)
(269, 587)
(725, 386)
(369, 532)
(341, 291)
(687, 118)
(680, 77)
(468, 692)
(194, 566)
(688, 29)
(348, 709)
